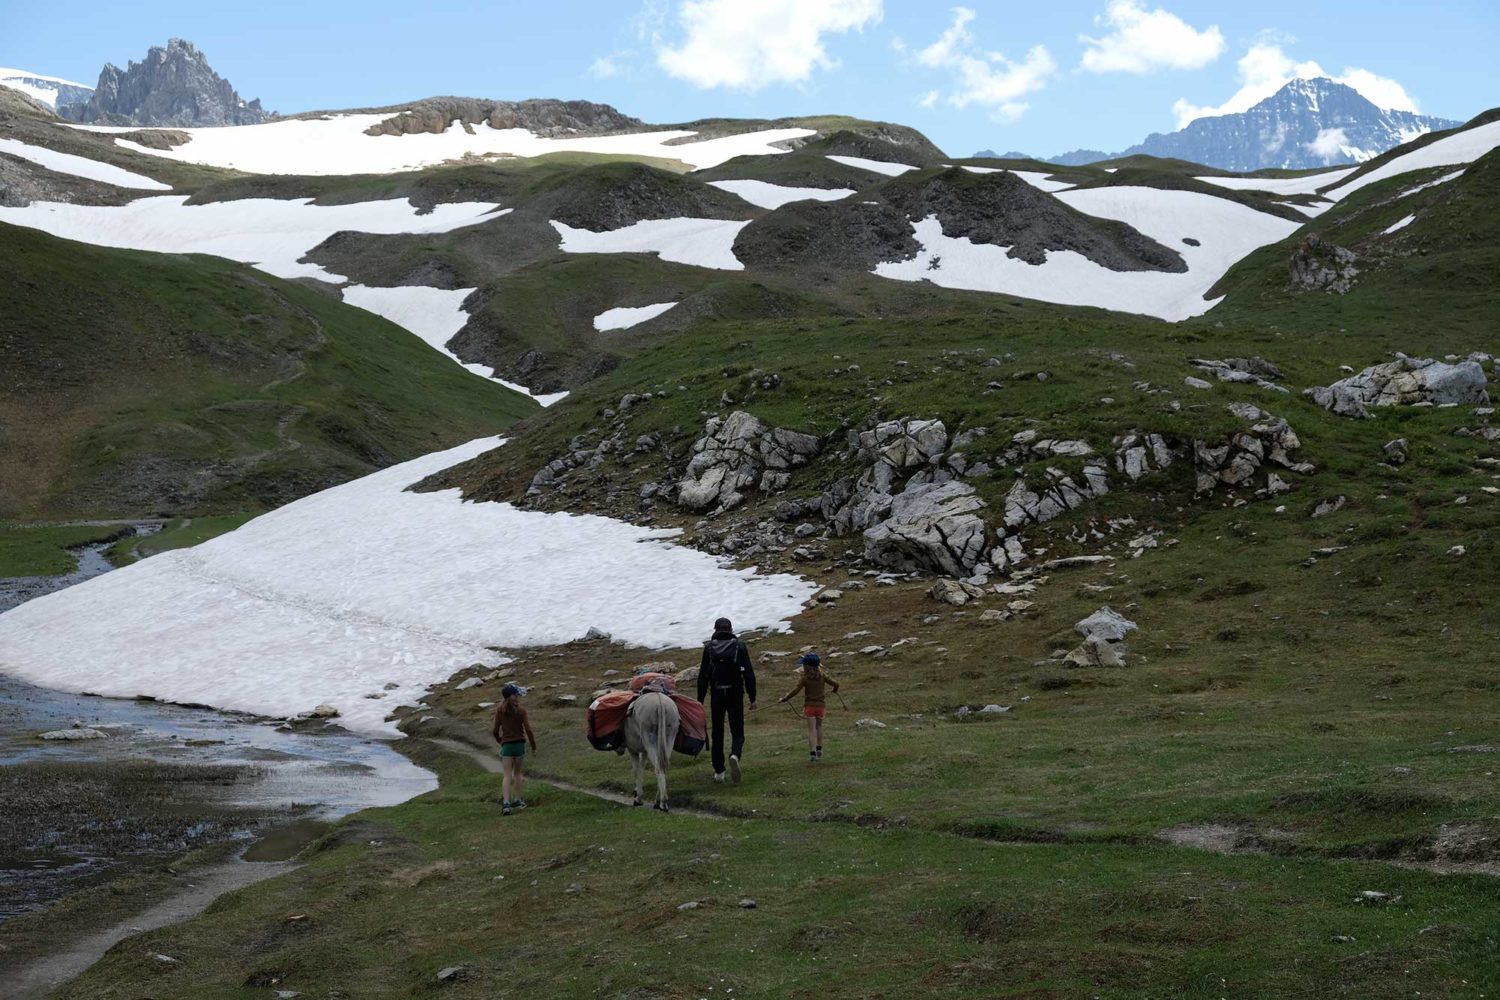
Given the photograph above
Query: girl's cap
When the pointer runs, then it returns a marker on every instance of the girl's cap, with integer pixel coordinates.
(810, 659)
(511, 689)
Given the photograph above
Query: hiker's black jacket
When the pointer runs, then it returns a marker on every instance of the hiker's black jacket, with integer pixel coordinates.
(726, 667)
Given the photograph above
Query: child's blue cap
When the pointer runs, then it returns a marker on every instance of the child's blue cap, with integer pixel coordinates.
(810, 659)
(511, 689)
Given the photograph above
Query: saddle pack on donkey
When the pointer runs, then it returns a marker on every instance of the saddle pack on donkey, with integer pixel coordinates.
(605, 725)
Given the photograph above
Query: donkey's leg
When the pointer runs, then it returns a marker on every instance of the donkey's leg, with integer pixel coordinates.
(637, 765)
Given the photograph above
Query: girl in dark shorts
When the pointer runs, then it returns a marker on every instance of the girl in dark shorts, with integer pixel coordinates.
(512, 732)
(814, 685)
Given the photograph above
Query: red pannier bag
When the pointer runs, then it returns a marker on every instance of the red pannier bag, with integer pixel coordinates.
(639, 681)
(692, 734)
(606, 720)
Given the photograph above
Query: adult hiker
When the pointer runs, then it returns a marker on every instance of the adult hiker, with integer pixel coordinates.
(814, 684)
(512, 732)
(726, 676)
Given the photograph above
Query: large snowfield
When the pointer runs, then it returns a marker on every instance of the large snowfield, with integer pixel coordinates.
(80, 166)
(337, 144)
(1225, 230)
(269, 233)
(330, 598)
(700, 242)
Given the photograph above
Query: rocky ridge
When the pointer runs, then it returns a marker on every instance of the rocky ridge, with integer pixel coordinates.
(173, 86)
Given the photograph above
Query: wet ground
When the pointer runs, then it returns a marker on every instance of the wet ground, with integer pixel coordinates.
(166, 779)
(17, 590)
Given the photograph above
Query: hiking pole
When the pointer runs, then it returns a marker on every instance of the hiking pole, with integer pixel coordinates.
(841, 701)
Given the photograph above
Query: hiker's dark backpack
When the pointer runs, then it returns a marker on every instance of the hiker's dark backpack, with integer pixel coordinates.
(724, 665)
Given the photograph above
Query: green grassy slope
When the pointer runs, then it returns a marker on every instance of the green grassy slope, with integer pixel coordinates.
(141, 383)
(1443, 264)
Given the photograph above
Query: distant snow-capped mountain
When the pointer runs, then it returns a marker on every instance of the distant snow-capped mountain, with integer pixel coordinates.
(174, 86)
(1305, 124)
(52, 91)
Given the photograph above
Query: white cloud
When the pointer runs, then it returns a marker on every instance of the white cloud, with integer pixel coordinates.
(1144, 40)
(1329, 144)
(1265, 68)
(930, 99)
(988, 79)
(749, 44)
(604, 67)
(1381, 91)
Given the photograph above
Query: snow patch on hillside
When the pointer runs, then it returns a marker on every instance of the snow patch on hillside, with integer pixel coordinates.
(1397, 226)
(1432, 184)
(624, 317)
(269, 233)
(765, 195)
(1226, 231)
(700, 242)
(876, 166)
(35, 85)
(332, 597)
(1460, 147)
(337, 144)
(435, 315)
(80, 166)
(1308, 184)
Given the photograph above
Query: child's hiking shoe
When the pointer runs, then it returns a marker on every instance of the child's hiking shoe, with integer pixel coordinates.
(505, 809)
(812, 758)
(719, 777)
(734, 768)
(519, 804)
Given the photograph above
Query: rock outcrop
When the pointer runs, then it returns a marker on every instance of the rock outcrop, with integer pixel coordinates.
(544, 117)
(1320, 266)
(932, 526)
(1268, 440)
(1252, 371)
(173, 86)
(1405, 382)
(739, 453)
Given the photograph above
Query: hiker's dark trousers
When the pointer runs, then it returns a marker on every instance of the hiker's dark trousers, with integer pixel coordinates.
(731, 704)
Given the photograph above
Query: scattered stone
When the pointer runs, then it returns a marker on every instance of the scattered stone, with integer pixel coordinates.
(472, 682)
(1193, 382)
(452, 973)
(72, 735)
(1396, 452)
(828, 595)
(994, 615)
(1330, 506)
(994, 710)
(870, 724)
(747, 903)
(323, 711)
(1458, 550)
(1094, 652)
(691, 904)
(955, 592)
(1106, 625)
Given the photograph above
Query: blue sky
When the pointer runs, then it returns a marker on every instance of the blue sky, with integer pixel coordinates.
(1038, 77)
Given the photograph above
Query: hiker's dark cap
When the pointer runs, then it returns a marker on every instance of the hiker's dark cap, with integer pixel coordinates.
(811, 659)
(509, 690)
(723, 625)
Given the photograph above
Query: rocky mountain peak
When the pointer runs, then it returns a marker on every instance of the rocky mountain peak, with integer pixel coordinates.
(174, 86)
(1308, 123)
